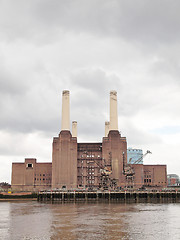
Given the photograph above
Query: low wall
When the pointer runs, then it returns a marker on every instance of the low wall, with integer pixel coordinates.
(109, 196)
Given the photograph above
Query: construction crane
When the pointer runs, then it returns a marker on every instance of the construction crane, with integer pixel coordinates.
(128, 170)
(106, 180)
(139, 159)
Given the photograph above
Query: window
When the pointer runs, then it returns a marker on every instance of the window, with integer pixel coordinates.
(29, 165)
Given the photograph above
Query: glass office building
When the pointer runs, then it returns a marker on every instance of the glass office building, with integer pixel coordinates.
(134, 156)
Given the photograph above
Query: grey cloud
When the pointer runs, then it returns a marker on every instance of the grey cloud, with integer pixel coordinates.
(10, 83)
(142, 20)
(39, 107)
(90, 99)
(138, 137)
(95, 80)
(167, 70)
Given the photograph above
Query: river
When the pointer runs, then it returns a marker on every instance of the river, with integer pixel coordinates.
(33, 220)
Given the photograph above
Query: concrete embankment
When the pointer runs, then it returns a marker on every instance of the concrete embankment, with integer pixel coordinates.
(109, 196)
(18, 196)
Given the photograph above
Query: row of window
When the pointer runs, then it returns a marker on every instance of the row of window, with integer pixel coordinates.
(147, 176)
(44, 174)
(43, 179)
(91, 181)
(88, 156)
(90, 166)
(90, 177)
(147, 180)
(87, 177)
(89, 173)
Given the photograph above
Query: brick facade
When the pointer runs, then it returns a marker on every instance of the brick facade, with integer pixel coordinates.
(31, 176)
(77, 165)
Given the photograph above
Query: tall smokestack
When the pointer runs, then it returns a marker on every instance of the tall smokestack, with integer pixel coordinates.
(107, 128)
(74, 129)
(65, 124)
(113, 111)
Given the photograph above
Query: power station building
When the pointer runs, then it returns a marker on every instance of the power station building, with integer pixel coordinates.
(87, 165)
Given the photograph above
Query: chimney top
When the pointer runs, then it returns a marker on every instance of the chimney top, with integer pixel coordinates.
(113, 92)
(65, 93)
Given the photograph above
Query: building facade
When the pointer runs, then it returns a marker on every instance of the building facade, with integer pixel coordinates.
(87, 165)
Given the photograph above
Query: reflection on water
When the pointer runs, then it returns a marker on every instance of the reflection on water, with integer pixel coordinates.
(33, 220)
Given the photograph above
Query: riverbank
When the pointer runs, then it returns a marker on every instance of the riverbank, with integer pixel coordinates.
(18, 196)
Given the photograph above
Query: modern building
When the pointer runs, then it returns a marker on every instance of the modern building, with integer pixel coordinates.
(173, 180)
(87, 165)
(134, 156)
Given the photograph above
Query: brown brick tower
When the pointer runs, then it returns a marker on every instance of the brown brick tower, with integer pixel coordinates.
(64, 155)
(114, 147)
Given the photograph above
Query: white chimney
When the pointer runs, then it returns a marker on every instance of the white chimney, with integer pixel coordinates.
(74, 129)
(113, 111)
(65, 124)
(107, 128)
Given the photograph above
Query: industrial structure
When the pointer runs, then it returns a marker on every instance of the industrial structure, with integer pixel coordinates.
(102, 165)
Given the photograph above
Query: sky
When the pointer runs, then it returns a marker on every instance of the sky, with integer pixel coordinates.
(89, 48)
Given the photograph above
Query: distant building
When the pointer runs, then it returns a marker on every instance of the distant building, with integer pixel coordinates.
(133, 155)
(173, 180)
(4, 186)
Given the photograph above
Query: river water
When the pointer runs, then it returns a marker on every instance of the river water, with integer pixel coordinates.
(33, 220)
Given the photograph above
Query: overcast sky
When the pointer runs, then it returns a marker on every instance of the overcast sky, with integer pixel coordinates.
(89, 47)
